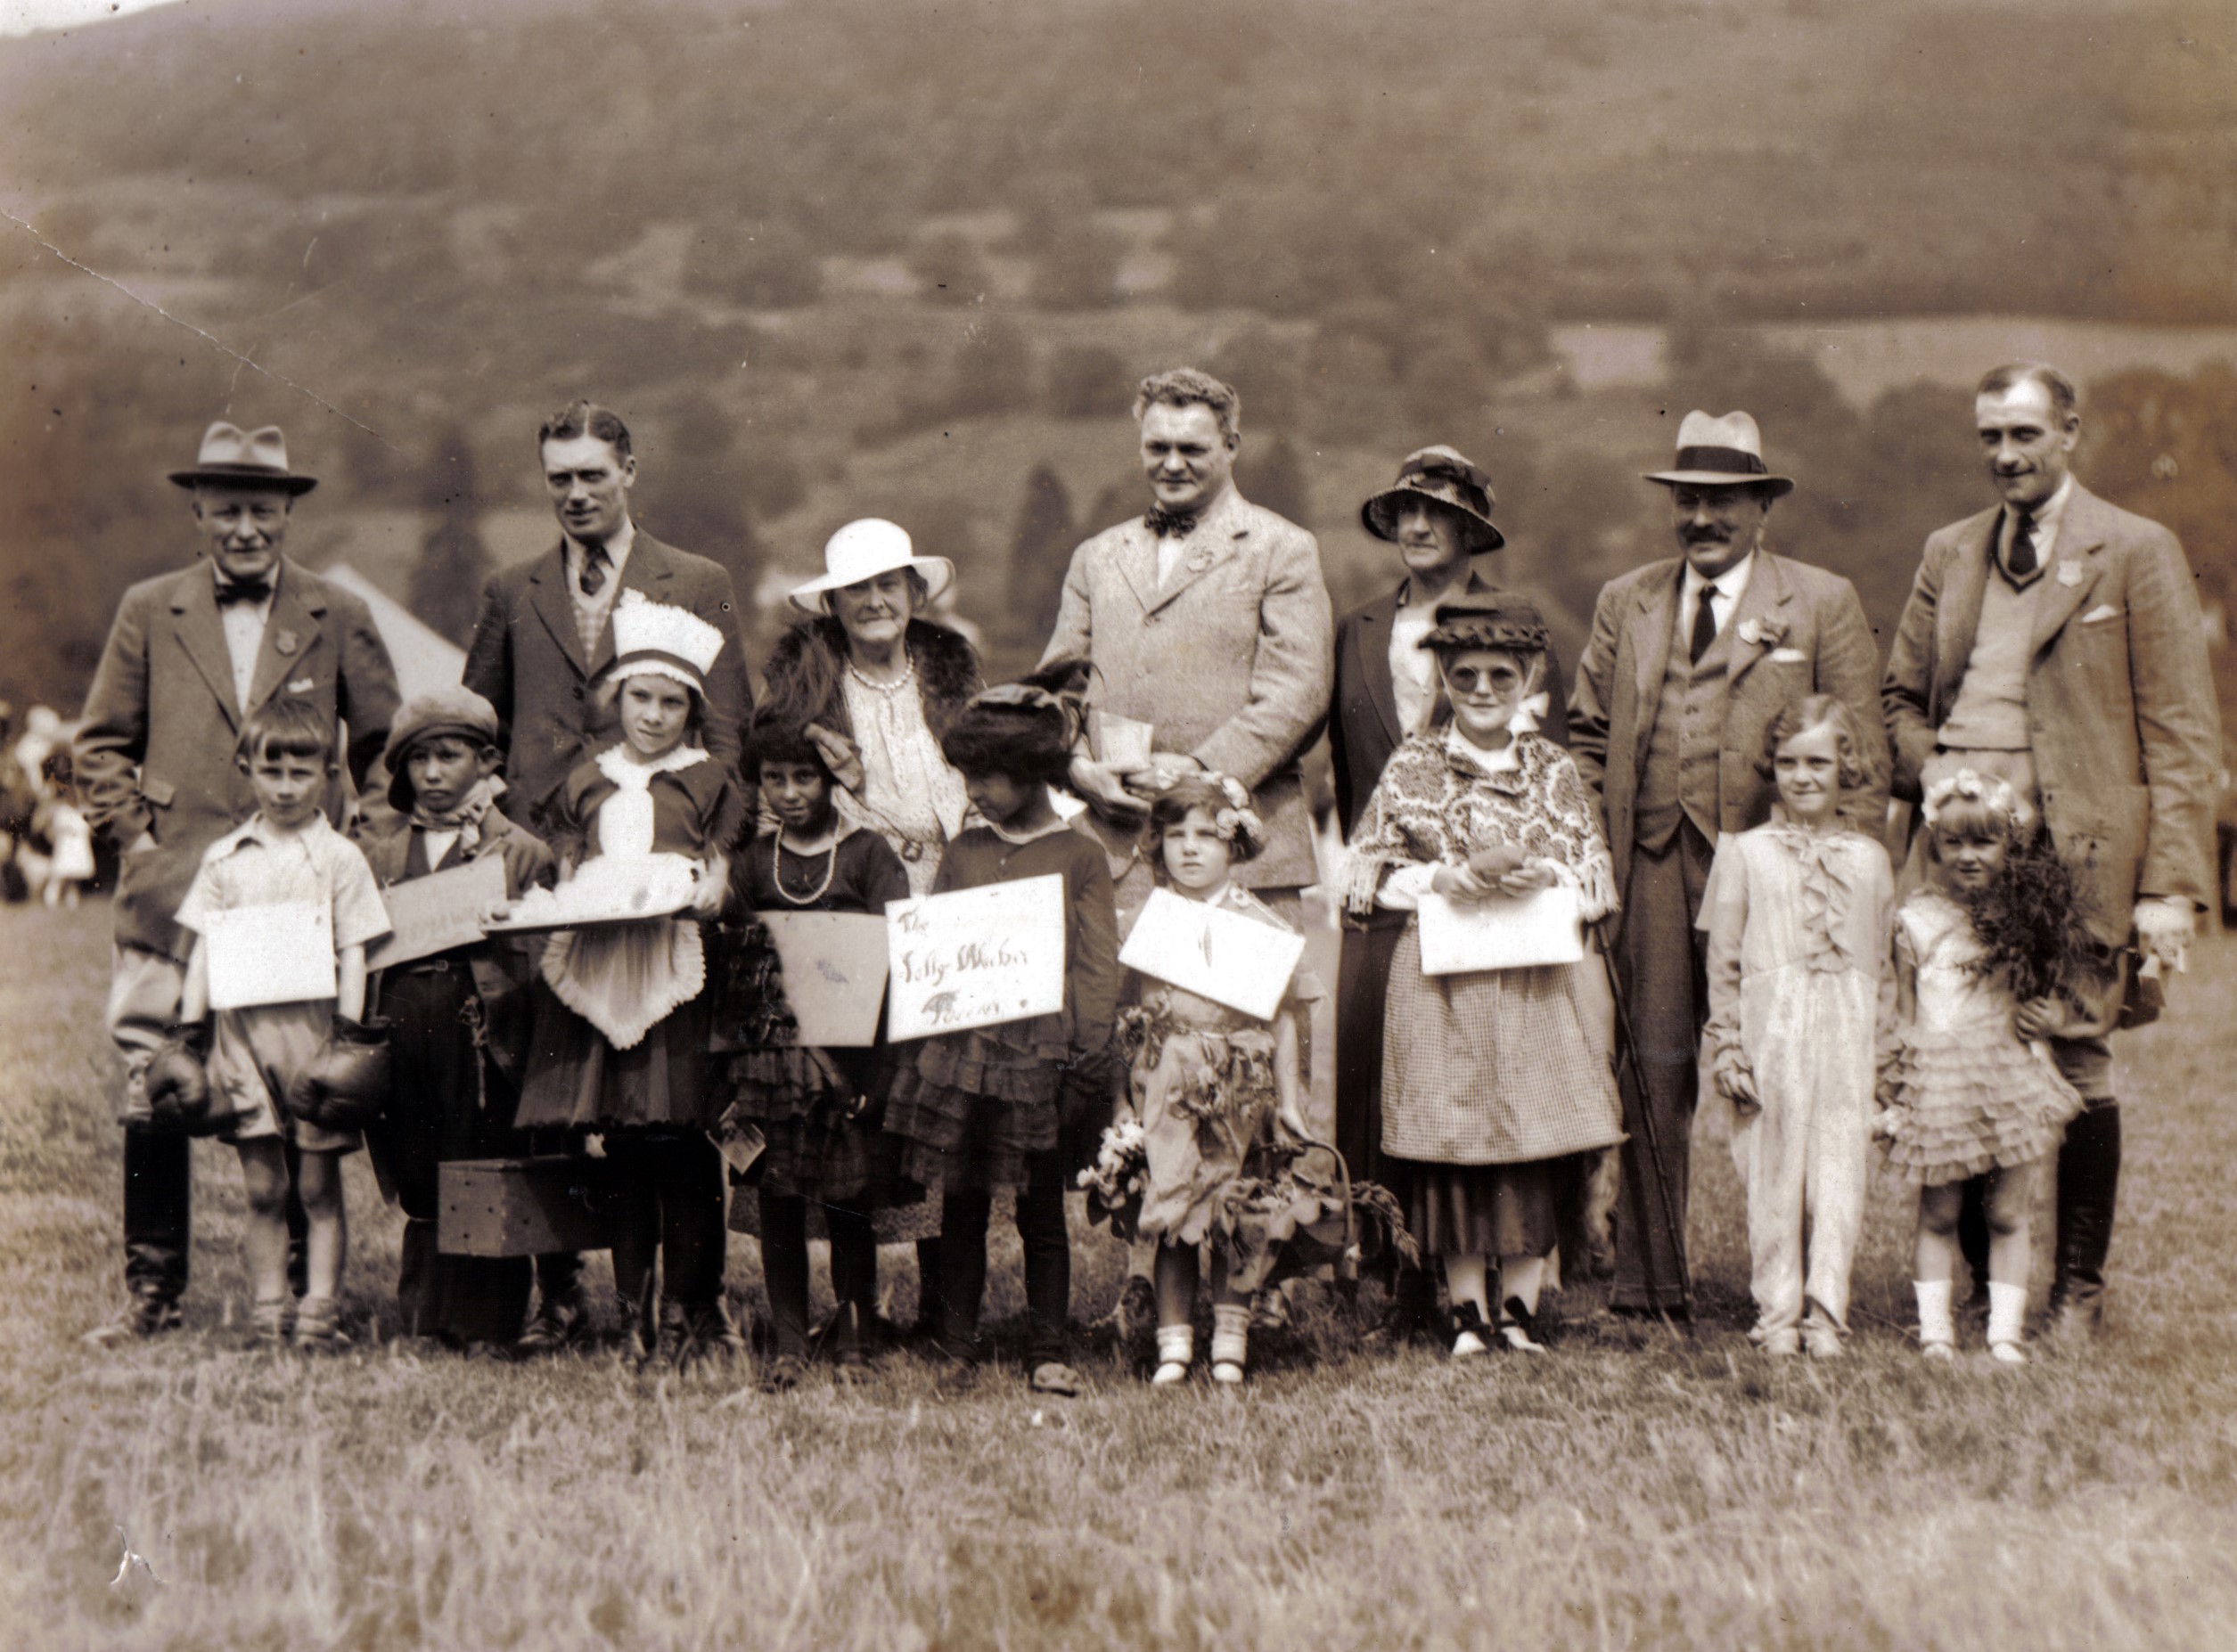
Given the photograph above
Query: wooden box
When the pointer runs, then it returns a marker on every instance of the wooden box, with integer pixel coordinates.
(523, 1206)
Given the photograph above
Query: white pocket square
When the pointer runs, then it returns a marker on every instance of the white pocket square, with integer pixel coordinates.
(1787, 657)
(2103, 611)
(301, 685)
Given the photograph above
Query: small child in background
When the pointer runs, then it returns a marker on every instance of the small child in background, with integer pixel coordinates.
(1210, 1084)
(820, 1113)
(273, 1063)
(1991, 958)
(1796, 913)
(459, 1017)
(621, 1047)
(70, 838)
(979, 1110)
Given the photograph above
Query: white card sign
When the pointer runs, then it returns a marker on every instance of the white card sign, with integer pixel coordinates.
(278, 953)
(834, 974)
(1215, 953)
(434, 913)
(975, 957)
(1461, 937)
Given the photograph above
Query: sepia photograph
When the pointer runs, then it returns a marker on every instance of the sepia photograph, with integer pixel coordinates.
(1201, 824)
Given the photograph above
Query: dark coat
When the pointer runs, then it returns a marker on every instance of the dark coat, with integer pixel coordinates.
(809, 660)
(527, 660)
(156, 752)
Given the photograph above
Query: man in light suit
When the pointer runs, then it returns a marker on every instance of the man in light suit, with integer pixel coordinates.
(545, 633)
(1208, 619)
(2054, 641)
(190, 655)
(1689, 659)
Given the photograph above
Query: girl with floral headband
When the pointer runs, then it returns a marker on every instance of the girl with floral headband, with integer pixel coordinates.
(1991, 959)
(1495, 1083)
(982, 1110)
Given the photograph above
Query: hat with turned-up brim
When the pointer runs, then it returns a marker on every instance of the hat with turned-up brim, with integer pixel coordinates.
(1440, 473)
(1721, 453)
(244, 458)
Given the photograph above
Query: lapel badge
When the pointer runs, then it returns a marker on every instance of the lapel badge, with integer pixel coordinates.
(2069, 573)
(286, 641)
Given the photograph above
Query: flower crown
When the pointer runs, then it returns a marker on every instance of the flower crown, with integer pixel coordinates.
(1238, 820)
(1969, 786)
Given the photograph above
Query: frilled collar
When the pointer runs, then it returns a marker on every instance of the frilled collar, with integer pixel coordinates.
(625, 772)
(1504, 770)
(1827, 890)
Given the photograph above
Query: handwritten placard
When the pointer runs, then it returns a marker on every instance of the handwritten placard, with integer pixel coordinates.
(1505, 932)
(278, 953)
(975, 957)
(834, 973)
(1215, 953)
(434, 913)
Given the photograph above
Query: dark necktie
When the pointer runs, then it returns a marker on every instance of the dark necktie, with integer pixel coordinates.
(1169, 524)
(2022, 559)
(592, 578)
(232, 591)
(1704, 623)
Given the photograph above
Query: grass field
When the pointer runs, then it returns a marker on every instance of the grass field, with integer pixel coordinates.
(1632, 1489)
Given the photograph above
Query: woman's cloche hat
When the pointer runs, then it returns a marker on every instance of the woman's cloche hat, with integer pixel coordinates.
(1721, 453)
(659, 639)
(253, 458)
(1500, 619)
(863, 549)
(1445, 475)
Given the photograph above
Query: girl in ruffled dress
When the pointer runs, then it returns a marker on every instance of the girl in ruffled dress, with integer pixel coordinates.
(1797, 911)
(1210, 1083)
(979, 1110)
(620, 1046)
(1493, 1081)
(1989, 957)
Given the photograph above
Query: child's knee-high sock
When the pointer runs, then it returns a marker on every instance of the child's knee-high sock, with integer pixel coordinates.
(784, 1268)
(2007, 1312)
(1937, 1329)
(854, 1257)
(1521, 1279)
(1231, 1336)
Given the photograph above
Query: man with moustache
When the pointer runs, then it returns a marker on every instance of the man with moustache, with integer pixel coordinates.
(544, 634)
(2055, 642)
(1689, 659)
(190, 656)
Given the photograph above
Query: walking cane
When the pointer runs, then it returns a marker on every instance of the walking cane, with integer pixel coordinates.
(1628, 1041)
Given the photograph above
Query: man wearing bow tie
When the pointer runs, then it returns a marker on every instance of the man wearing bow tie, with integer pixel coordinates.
(1690, 659)
(190, 655)
(1208, 620)
(2054, 641)
(544, 634)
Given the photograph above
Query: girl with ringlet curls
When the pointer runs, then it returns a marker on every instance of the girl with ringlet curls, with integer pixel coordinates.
(982, 1110)
(1797, 911)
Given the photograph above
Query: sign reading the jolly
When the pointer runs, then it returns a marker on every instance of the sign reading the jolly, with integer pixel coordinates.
(975, 957)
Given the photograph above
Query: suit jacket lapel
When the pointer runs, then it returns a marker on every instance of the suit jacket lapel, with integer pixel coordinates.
(1648, 637)
(547, 595)
(202, 635)
(1761, 600)
(1957, 619)
(291, 634)
(2080, 535)
(1373, 638)
(1212, 542)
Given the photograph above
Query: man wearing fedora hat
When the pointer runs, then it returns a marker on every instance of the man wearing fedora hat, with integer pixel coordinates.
(190, 655)
(1437, 514)
(544, 634)
(2053, 641)
(1689, 659)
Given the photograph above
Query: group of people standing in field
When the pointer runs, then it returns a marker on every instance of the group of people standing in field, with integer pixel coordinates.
(1705, 800)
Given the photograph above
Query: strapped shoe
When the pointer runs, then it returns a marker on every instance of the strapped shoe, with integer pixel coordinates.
(1519, 1328)
(318, 1326)
(140, 1317)
(1470, 1336)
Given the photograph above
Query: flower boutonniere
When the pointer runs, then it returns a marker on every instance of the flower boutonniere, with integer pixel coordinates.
(1198, 560)
(1762, 634)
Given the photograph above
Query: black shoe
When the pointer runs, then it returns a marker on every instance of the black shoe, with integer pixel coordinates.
(843, 1340)
(142, 1316)
(672, 1347)
(713, 1334)
(559, 1323)
(1519, 1328)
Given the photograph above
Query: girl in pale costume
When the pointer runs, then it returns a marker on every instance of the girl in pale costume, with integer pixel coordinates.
(621, 1042)
(1797, 911)
(1210, 1083)
(1990, 958)
(1495, 1081)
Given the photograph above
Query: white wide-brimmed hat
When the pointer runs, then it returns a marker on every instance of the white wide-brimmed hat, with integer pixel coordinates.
(866, 549)
(1720, 452)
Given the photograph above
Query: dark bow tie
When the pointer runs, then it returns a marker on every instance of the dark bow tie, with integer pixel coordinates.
(1172, 524)
(232, 591)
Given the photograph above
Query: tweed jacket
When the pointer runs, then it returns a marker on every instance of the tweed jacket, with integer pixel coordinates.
(156, 752)
(1230, 660)
(2122, 718)
(1363, 724)
(527, 659)
(1796, 630)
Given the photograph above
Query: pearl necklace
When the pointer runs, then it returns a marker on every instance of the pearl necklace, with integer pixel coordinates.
(907, 679)
(776, 872)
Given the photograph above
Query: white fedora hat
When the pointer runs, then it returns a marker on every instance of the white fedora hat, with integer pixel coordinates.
(864, 549)
(1720, 452)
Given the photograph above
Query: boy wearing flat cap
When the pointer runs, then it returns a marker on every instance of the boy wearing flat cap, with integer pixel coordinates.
(460, 1016)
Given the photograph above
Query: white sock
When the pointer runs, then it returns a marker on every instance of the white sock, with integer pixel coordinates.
(2007, 1312)
(1177, 1344)
(1466, 1279)
(1521, 1279)
(1231, 1333)
(1935, 1324)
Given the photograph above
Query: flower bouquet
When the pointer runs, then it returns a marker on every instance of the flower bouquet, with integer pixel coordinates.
(1114, 1183)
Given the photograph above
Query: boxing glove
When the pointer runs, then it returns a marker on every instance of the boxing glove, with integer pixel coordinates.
(345, 1086)
(178, 1080)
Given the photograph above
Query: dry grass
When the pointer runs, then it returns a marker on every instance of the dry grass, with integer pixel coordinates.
(1671, 1492)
